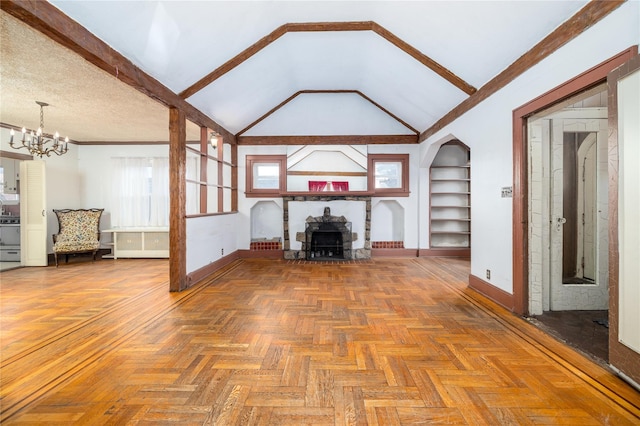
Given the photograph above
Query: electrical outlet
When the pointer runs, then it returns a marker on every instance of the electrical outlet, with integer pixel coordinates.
(222, 252)
(488, 274)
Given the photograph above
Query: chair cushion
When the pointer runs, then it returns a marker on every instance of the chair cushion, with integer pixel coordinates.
(71, 246)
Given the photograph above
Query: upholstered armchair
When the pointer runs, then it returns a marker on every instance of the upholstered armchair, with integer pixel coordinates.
(79, 232)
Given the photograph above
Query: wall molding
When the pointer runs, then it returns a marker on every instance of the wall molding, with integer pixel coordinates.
(492, 292)
(198, 275)
(462, 252)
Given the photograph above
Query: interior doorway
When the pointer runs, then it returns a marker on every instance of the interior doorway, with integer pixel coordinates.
(612, 71)
(568, 216)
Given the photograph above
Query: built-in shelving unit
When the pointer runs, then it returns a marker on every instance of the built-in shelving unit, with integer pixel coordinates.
(139, 243)
(450, 197)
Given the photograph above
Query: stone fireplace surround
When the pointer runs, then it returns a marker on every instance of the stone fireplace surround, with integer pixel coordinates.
(359, 253)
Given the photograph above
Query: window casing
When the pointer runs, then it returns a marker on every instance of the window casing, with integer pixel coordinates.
(389, 174)
(266, 175)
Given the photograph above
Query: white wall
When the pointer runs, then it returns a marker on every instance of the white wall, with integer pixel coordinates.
(415, 218)
(243, 225)
(210, 238)
(487, 129)
(411, 220)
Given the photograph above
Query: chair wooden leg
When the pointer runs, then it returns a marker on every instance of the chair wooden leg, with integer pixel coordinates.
(55, 256)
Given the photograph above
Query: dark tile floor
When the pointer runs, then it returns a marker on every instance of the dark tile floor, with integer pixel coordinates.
(587, 331)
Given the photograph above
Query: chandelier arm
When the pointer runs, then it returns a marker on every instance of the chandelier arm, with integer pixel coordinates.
(36, 142)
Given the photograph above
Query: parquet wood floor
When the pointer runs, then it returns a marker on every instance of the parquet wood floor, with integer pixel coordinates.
(271, 342)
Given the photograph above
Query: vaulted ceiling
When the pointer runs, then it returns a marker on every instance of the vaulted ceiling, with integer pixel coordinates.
(271, 68)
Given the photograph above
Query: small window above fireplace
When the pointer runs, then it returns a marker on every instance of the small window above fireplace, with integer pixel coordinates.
(389, 174)
(266, 175)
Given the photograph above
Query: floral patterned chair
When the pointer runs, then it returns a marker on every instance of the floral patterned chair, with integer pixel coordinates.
(79, 232)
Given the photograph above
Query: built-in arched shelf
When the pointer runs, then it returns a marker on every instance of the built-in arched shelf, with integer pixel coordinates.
(387, 225)
(450, 197)
(266, 226)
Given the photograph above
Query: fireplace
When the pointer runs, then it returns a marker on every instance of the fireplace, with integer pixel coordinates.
(327, 237)
(330, 240)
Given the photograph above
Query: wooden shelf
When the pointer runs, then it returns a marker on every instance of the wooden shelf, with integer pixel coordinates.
(450, 193)
(450, 183)
(450, 232)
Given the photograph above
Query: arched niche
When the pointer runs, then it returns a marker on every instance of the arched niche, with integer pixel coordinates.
(266, 221)
(387, 224)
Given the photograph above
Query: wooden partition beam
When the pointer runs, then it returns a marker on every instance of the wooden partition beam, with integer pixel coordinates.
(177, 200)
(234, 178)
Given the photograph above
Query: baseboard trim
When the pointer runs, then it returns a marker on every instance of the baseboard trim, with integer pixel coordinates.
(492, 292)
(391, 252)
(261, 254)
(202, 273)
(453, 252)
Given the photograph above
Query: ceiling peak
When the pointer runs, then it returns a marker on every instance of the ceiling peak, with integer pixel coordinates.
(328, 26)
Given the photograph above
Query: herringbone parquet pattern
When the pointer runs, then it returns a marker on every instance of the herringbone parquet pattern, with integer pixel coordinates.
(381, 342)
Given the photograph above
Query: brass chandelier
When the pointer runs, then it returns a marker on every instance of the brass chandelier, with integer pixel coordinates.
(38, 143)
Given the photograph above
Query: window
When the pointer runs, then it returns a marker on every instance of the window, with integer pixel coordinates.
(266, 175)
(140, 191)
(389, 174)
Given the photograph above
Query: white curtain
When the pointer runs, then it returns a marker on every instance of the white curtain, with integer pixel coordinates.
(140, 192)
(159, 214)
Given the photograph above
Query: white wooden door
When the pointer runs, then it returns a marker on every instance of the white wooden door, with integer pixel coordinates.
(579, 295)
(33, 213)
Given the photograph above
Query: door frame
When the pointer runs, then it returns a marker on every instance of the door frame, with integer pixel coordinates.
(590, 78)
(621, 357)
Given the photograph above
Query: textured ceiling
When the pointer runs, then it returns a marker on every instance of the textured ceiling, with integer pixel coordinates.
(179, 43)
(85, 103)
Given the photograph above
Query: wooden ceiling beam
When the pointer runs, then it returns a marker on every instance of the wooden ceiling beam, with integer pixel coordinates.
(424, 59)
(300, 92)
(328, 140)
(233, 62)
(327, 26)
(586, 17)
(50, 21)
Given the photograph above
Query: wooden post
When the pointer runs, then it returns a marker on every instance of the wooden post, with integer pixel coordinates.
(178, 200)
